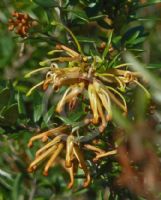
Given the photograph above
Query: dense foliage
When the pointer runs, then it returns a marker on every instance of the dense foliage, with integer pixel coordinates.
(82, 77)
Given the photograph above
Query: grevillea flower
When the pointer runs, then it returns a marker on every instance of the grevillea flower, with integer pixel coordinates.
(82, 79)
(100, 153)
(57, 140)
(98, 89)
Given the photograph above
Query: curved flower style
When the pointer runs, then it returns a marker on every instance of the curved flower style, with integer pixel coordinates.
(81, 78)
(100, 153)
(58, 140)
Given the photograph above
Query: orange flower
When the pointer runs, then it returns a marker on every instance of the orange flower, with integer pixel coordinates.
(80, 76)
(57, 140)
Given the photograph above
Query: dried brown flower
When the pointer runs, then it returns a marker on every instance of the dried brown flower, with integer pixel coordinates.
(20, 23)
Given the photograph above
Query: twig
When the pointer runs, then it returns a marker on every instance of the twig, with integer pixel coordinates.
(33, 190)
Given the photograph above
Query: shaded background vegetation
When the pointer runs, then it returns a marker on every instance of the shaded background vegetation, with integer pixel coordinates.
(139, 32)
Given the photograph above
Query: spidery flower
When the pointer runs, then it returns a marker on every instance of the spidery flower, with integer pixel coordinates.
(98, 89)
(81, 77)
(56, 141)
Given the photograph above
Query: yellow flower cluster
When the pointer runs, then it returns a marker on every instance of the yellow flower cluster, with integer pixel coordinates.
(57, 140)
(101, 89)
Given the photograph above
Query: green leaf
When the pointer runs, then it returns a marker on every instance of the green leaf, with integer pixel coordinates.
(104, 24)
(113, 61)
(49, 114)
(11, 114)
(15, 188)
(87, 39)
(47, 3)
(80, 191)
(97, 17)
(79, 13)
(154, 66)
(4, 97)
(139, 40)
(100, 195)
(132, 34)
(132, 38)
(66, 120)
(107, 45)
(20, 101)
(5, 184)
(75, 116)
(2, 131)
(37, 106)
